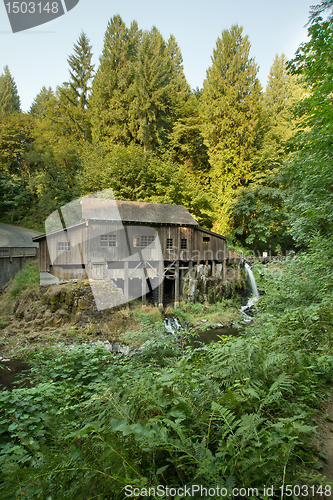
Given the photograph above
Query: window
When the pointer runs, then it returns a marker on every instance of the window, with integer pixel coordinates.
(206, 239)
(143, 241)
(64, 246)
(183, 243)
(169, 243)
(108, 240)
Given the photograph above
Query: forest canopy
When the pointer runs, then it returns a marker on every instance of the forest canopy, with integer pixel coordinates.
(250, 163)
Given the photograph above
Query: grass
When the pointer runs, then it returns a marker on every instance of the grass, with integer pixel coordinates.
(150, 314)
(223, 312)
(28, 277)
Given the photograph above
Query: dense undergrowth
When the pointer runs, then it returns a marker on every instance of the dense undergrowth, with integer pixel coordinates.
(237, 413)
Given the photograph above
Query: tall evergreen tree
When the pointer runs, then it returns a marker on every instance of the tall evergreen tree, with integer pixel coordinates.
(154, 90)
(283, 91)
(9, 98)
(186, 141)
(259, 212)
(39, 104)
(230, 107)
(81, 73)
(160, 90)
(317, 10)
(112, 89)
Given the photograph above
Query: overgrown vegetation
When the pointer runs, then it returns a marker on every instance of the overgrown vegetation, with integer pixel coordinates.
(28, 278)
(224, 312)
(239, 412)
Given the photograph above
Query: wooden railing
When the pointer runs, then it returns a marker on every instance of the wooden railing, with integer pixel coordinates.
(241, 258)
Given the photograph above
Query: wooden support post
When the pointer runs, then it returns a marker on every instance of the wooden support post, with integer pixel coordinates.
(45, 255)
(224, 271)
(126, 297)
(177, 284)
(160, 286)
(190, 270)
(143, 283)
(213, 268)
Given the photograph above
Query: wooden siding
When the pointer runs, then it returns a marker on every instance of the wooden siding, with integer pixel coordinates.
(77, 254)
(124, 248)
(85, 247)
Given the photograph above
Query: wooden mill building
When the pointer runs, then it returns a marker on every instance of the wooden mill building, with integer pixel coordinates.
(137, 245)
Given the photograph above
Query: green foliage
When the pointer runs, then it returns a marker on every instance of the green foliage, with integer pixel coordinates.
(138, 176)
(187, 143)
(15, 198)
(159, 83)
(81, 73)
(148, 315)
(16, 138)
(282, 92)
(28, 277)
(230, 113)
(112, 88)
(237, 412)
(260, 215)
(9, 98)
(96, 422)
(310, 172)
(223, 312)
(39, 105)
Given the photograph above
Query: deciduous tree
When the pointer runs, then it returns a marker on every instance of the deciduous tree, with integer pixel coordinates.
(311, 171)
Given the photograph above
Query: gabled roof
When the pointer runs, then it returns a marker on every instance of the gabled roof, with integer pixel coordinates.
(207, 231)
(57, 231)
(136, 211)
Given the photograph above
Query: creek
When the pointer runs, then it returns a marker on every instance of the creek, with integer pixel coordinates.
(247, 310)
(13, 370)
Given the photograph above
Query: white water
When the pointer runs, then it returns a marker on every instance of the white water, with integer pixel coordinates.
(171, 325)
(254, 292)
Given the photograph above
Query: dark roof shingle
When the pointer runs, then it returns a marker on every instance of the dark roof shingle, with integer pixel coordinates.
(136, 211)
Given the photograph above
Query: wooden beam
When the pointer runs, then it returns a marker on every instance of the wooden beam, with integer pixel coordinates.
(160, 286)
(143, 283)
(126, 281)
(190, 268)
(177, 284)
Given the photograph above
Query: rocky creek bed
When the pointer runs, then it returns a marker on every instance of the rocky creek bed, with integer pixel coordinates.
(66, 314)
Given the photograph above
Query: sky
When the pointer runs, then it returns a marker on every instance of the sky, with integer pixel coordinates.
(38, 56)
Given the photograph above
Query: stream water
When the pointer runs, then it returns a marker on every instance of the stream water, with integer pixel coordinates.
(213, 335)
(12, 370)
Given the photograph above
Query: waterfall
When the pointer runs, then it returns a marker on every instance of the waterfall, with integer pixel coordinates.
(171, 325)
(254, 292)
(254, 288)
